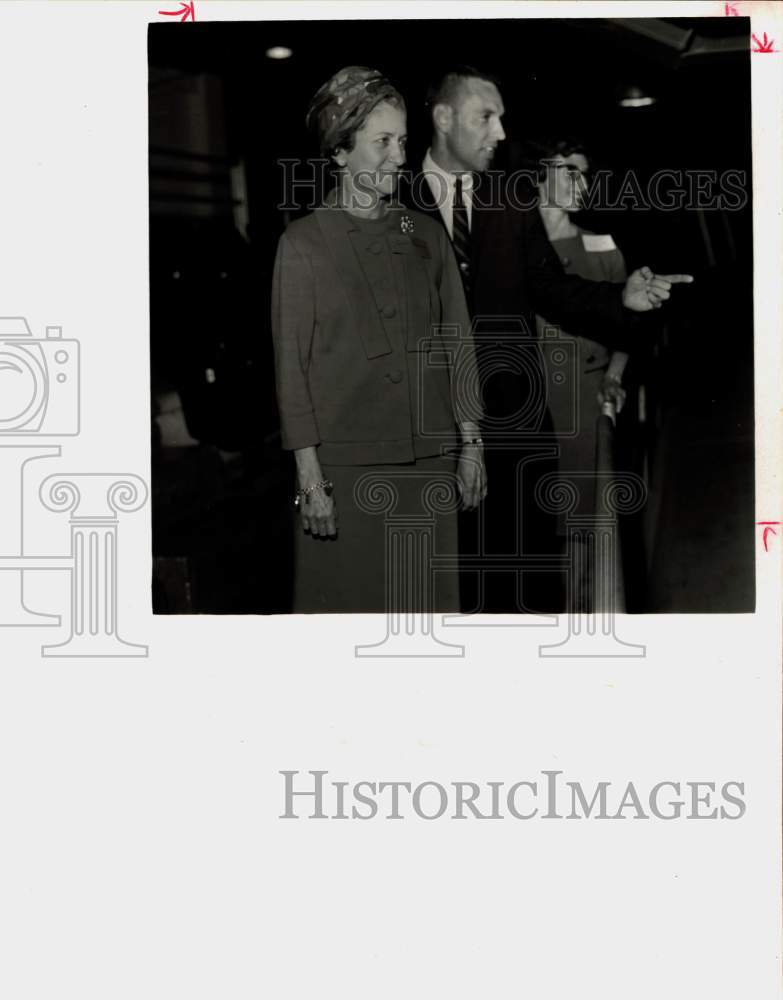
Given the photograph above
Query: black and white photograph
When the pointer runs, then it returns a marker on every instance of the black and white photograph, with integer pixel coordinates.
(391, 533)
(452, 316)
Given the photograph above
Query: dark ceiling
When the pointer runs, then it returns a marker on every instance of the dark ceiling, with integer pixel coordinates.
(568, 71)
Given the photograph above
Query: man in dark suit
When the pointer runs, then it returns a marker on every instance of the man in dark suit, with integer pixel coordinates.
(510, 272)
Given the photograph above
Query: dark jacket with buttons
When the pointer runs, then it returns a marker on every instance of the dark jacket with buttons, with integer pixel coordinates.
(373, 351)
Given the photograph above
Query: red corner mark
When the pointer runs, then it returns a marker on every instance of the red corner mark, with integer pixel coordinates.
(765, 45)
(768, 527)
(186, 10)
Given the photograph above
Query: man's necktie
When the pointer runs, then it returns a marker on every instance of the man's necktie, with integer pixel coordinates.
(460, 235)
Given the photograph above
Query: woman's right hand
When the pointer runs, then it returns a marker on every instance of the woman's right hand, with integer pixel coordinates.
(317, 508)
(318, 513)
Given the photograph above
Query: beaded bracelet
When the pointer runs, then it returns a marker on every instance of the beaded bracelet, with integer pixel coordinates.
(302, 494)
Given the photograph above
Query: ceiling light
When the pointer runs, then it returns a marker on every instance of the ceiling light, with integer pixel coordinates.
(279, 52)
(635, 97)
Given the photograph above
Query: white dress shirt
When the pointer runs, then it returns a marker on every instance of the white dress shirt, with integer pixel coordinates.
(442, 183)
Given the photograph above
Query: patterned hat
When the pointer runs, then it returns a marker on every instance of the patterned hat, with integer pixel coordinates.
(340, 107)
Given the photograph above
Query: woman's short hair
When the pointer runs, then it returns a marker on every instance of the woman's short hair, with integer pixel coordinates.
(537, 152)
(342, 105)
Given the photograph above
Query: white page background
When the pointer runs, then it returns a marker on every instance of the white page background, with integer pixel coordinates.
(142, 854)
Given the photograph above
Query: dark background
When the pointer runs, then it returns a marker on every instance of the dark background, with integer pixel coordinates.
(222, 114)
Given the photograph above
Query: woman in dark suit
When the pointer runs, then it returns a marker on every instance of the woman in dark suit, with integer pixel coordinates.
(375, 370)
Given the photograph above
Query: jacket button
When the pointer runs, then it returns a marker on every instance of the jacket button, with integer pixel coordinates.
(375, 247)
(566, 261)
(389, 311)
(590, 359)
(395, 376)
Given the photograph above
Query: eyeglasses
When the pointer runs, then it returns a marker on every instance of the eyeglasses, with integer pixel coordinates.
(570, 167)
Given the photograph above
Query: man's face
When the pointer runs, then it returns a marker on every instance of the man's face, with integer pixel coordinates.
(564, 185)
(474, 130)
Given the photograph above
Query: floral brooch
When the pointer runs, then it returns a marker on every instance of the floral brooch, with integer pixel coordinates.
(406, 224)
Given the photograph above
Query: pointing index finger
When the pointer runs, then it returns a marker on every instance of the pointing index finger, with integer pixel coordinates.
(676, 279)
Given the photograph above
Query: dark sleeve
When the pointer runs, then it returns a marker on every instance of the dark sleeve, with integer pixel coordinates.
(293, 323)
(591, 308)
(616, 269)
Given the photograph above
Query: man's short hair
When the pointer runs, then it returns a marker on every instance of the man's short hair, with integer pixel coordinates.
(446, 87)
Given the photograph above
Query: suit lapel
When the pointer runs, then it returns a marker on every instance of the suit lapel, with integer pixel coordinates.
(420, 197)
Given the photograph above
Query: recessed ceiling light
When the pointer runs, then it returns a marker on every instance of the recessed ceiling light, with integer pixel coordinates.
(635, 97)
(279, 52)
(637, 102)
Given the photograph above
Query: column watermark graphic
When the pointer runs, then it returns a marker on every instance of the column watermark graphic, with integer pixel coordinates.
(594, 596)
(94, 501)
(412, 561)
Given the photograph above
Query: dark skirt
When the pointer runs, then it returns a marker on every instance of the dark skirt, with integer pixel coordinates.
(396, 546)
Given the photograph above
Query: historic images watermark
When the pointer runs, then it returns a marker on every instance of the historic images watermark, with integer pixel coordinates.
(548, 795)
(305, 182)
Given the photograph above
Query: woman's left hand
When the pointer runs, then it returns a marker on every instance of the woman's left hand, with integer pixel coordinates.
(471, 476)
(612, 391)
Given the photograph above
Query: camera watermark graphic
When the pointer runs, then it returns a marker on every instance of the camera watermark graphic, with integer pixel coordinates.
(40, 400)
(40, 381)
(497, 358)
(547, 795)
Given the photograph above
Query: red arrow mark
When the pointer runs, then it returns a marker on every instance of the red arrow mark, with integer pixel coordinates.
(730, 10)
(187, 10)
(769, 526)
(765, 45)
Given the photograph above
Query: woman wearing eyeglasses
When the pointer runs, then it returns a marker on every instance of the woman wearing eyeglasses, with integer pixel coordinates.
(577, 391)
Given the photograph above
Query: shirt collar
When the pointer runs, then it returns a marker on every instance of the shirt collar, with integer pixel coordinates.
(429, 166)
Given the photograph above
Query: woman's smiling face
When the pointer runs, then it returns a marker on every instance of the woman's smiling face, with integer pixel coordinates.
(378, 151)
